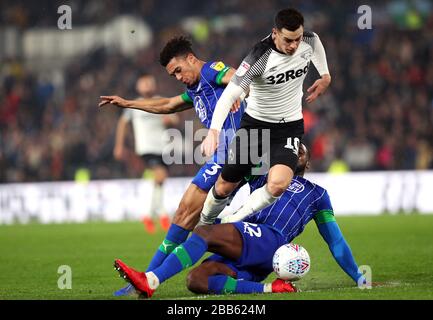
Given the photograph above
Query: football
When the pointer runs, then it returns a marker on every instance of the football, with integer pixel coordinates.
(291, 262)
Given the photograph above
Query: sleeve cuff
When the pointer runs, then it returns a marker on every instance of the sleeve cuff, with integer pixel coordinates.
(220, 76)
(186, 98)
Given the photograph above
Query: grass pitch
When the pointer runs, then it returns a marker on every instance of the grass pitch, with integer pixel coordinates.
(399, 250)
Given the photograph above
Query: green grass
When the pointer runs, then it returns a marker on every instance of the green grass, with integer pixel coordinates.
(399, 250)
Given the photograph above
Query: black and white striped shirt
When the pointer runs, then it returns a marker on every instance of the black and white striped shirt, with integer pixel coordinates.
(275, 79)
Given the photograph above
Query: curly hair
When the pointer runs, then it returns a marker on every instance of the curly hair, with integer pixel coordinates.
(176, 47)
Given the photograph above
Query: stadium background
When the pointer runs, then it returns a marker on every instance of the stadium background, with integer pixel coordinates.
(377, 115)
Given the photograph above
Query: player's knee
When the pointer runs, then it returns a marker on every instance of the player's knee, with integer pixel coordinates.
(204, 232)
(276, 187)
(196, 281)
(223, 188)
(160, 175)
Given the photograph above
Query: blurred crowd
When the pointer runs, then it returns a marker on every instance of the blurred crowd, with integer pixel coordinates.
(376, 115)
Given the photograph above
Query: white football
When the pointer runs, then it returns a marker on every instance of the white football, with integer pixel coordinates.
(291, 262)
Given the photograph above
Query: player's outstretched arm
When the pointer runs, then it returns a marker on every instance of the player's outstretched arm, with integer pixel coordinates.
(331, 233)
(152, 105)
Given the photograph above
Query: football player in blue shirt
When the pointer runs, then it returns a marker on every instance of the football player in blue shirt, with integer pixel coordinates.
(205, 82)
(243, 250)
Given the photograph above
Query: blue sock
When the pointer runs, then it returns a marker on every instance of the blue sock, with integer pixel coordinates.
(221, 284)
(175, 236)
(244, 286)
(215, 284)
(184, 256)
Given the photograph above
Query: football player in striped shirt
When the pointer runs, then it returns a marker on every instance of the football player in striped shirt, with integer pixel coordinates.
(149, 145)
(244, 246)
(205, 82)
(274, 73)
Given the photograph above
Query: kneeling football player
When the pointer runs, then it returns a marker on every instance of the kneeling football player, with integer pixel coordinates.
(243, 247)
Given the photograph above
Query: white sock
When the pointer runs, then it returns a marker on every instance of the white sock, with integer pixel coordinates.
(158, 200)
(267, 288)
(258, 200)
(153, 280)
(212, 208)
(144, 203)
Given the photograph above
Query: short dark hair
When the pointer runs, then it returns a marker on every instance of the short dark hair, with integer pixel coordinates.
(290, 19)
(176, 47)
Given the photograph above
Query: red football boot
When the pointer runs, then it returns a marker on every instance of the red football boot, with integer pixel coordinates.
(134, 277)
(149, 226)
(281, 286)
(164, 221)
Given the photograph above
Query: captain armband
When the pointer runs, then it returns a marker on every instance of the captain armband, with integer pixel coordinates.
(324, 216)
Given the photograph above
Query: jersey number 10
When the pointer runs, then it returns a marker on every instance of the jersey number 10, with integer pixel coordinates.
(293, 144)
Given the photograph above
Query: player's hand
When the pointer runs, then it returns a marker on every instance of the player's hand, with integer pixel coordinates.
(115, 100)
(318, 88)
(236, 106)
(210, 143)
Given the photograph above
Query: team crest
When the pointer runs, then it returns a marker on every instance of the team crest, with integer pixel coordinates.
(296, 187)
(200, 109)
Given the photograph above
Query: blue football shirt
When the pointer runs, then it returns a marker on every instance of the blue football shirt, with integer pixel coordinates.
(296, 207)
(205, 94)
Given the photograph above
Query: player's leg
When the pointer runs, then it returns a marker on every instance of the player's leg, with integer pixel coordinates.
(214, 277)
(197, 279)
(283, 162)
(186, 217)
(222, 239)
(160, 174)
(188, 212)
(218, 275)
(259, 242)
(284, 152)
(216, 201)
(231, 176)
(149, 206)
